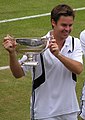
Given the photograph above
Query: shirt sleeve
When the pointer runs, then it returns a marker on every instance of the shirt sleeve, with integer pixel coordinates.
(77, 54)
(82, 40)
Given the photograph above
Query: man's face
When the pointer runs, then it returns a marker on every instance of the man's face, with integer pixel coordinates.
(63, 26)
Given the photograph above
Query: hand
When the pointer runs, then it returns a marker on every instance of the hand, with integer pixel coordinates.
(53, 47)
(9, 44)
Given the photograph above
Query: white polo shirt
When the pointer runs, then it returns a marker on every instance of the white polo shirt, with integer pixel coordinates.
(56, 95)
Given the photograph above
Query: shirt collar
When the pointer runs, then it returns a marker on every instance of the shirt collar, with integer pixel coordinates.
(68, 44)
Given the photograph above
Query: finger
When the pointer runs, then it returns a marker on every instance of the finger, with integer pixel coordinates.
(7, 42)
(7, 46)
(15, 43)
(53, 40)
(8, 37)
(55, 49)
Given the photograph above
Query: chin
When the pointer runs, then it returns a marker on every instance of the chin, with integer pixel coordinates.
(64, 37)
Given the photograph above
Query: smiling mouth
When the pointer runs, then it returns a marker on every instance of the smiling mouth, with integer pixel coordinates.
(66, 34)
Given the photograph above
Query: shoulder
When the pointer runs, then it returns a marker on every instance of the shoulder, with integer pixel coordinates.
(82, 33)
(76, 40)
(75, 43)
(82, 36)
(47, 35)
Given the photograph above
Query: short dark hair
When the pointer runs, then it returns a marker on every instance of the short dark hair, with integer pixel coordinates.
(62, 10)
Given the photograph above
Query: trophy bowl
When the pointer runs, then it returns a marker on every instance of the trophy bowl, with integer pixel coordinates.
(31, 47)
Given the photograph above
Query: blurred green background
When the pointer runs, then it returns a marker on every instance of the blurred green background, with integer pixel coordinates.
(15, 93)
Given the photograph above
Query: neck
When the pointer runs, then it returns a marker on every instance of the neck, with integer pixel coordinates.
(59, 41)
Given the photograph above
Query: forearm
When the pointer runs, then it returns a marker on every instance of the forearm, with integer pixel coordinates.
(72, 65)
(15, 66)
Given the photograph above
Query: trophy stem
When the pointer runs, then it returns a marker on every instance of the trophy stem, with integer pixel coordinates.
(30, 61)
(29, 57)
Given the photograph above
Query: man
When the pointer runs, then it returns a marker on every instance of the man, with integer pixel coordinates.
(82, 113)
(55, 76)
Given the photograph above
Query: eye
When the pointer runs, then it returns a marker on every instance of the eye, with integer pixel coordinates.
(66, 25)
(63, 25)
(70, 25)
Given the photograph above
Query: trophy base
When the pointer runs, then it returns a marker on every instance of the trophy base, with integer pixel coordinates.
(31, 63)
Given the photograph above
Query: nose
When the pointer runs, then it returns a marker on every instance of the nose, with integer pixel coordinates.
(67, 28)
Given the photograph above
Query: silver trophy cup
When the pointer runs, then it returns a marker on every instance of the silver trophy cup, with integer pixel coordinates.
(31, 47)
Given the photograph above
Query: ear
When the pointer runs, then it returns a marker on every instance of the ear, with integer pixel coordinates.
(53, 22)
